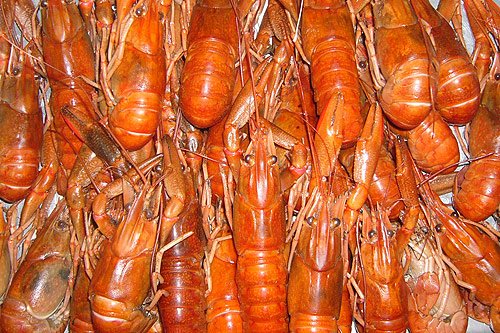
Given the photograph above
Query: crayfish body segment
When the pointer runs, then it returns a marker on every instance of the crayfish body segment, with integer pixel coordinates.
(259, 238)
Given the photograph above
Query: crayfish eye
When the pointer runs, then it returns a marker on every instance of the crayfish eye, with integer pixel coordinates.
(273, 160)
(454, 214)
(44, 3)
(336, 222)
(148, 213)
(249, 159)
(140, 11)
(372, 233)
(16, 71)
(362, 64)
(61, 225)
(390, 233)
(497, 76)
(310, 220)
(439, 227)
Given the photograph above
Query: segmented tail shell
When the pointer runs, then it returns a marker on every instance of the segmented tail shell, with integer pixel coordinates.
(224, 311)
(209, 73)
(261, 278)
(406, 97)
(182, 309)
(457, 98)
(433, 145)
(477, 194)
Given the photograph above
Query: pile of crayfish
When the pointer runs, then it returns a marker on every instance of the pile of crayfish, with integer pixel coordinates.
(249, 166)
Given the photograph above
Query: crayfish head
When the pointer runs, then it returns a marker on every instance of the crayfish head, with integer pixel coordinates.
(259, 180)
(137, 231)
(379, 247)
(324, 249)
(61, 19)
